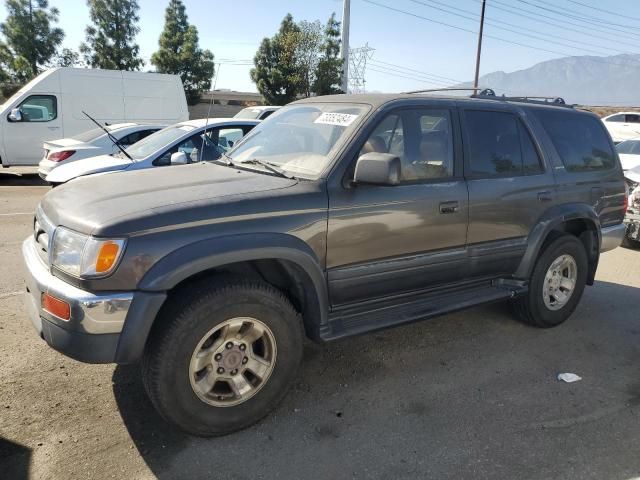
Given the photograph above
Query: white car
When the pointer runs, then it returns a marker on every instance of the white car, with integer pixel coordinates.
(629, 153)
(91, 144)
(259, 112)
(623, 125)
(185, 142)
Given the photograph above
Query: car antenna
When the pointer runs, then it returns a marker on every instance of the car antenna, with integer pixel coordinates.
(111, 137)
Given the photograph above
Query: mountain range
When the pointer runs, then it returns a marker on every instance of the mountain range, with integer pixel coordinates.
(585, 80)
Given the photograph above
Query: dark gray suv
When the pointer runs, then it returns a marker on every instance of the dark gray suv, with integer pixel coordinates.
(336, 216)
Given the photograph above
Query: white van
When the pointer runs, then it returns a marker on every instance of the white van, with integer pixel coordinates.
(50, 107)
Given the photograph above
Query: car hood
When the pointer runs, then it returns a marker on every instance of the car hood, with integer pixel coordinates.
(87, 166)
(143, 200)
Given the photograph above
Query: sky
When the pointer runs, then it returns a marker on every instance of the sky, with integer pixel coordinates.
(416, 43)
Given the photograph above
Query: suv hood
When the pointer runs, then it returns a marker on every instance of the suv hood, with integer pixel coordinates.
(87, 166)
(128, 202)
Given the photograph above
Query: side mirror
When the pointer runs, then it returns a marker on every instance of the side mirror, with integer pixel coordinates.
(377, 169)
(15, 115)
(179, 158)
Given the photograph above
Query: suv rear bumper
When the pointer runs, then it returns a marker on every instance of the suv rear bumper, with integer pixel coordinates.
(94, 331)
(612, 237)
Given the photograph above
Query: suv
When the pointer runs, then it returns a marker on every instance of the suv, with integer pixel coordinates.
(337, 216)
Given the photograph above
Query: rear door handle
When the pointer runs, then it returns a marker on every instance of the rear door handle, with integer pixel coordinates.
(449, 207)
(545, 196)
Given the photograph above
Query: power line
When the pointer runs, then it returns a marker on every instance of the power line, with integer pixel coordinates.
(412, 70)
(493, 21)
(577, 14)
(435, 81)
(601, 10)
(537, 17)
(556, 52)
(386, 72)
(591, 23)
(535, 37)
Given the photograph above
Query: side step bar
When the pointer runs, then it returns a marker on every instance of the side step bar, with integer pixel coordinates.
(356, 320)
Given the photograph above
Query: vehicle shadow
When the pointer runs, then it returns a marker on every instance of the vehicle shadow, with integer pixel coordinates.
(460, 395)
(14, 460)
(9, 179)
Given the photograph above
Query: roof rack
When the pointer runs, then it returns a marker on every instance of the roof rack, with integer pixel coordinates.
(489, 94)
(446, 89)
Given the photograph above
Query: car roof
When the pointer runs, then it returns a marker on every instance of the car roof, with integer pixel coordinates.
(623, 113)
(376, 100)
(216, 122)
(119, 126)
(262, 107)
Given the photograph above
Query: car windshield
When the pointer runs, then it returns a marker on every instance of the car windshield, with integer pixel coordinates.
(249, 113)
(629, 147)
(300, 139)
(157, 141)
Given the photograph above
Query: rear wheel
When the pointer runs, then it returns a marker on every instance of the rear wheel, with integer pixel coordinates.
(223, 357)
(556, 284)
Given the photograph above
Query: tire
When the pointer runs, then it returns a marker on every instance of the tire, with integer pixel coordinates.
(170, 358)
(532, 308)
(630, 243)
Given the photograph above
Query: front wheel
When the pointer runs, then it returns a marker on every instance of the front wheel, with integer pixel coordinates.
(223, 357)
(556, 284)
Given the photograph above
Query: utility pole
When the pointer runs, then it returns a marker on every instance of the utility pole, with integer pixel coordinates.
(346, 8)
(475, 81)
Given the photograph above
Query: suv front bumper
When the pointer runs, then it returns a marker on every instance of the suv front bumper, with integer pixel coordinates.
(94, 331)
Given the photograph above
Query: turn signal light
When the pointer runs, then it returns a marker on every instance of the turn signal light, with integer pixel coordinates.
(55, 306)
(107, 255)
(60, 156)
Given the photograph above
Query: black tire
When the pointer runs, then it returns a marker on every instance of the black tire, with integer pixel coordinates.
(189, 316)
(531, 308)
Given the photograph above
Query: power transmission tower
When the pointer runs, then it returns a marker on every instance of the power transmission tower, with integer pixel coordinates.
(358, 67)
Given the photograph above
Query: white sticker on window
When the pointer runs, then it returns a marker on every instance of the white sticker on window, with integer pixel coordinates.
(340, 119)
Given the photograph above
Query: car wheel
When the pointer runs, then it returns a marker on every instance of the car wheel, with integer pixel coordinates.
(223, 357)
(556, 284)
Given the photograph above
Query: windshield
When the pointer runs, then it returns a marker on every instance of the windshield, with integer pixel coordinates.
(629, 147)
(300, 139)
(248, 113)
(157, 141)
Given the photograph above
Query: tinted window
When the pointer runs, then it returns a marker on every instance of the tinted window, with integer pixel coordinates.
(39, 108)
(632, 118)
(136, 136)
(499, 145)
(580, 140)
(616, 118)
(266, 114)
(420, 138)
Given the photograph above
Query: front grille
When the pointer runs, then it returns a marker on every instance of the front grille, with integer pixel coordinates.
(42, 233)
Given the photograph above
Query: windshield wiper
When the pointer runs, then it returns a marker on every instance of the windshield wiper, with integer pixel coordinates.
(269, 166)
(115, 141)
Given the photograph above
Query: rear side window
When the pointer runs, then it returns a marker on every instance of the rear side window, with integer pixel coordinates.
(580, 140)
(616, 118)
(499, 145)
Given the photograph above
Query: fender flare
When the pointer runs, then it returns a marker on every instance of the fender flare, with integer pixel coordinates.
(549, 221)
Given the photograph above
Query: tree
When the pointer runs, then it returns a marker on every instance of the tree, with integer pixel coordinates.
(276, 72)
(67, 58)
(308, 44)
(110, 41)
(31, 41)
(180, 54)
(329, 69)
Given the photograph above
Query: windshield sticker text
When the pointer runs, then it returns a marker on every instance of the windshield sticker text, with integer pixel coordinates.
(340, 119)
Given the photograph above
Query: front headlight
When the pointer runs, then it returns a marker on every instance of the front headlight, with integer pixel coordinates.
(84, 256)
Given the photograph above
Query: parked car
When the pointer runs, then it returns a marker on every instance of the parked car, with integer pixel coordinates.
(623, 125)
(259, 112)
(184, 142)
(632, 217)
(91, 144)
(337, 216)
(629, 153)
(50, 106)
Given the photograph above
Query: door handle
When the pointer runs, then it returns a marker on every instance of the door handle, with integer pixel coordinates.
(448, 207)
(545, 196)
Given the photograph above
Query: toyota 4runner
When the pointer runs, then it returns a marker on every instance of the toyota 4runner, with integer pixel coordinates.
(338, 215)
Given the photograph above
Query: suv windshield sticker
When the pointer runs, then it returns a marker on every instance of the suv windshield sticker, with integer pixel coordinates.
(340, 119)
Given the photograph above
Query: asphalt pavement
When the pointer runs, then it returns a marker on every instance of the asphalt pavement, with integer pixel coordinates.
(468, 395)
